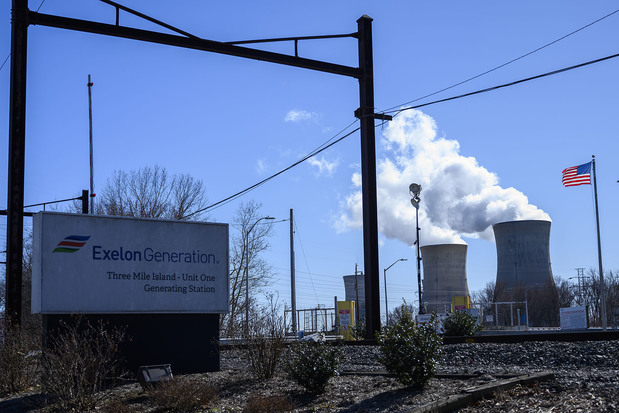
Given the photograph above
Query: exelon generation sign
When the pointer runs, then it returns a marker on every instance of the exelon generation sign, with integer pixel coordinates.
(100, 264)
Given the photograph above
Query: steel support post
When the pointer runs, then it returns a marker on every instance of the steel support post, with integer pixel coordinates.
(16, 163)
(419, 289)
(22, 18)
(368, 178)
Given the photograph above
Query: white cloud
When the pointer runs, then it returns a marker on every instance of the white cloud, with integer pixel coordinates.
(324, 166)
(261, 166)
(300, 115)
(459, 197)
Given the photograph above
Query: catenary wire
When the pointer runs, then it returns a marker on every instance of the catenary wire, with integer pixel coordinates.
(320, 148)
(506, 63)
(396, 112)
(9, 55)
(304, 257)
(493, 88)
(330, 142)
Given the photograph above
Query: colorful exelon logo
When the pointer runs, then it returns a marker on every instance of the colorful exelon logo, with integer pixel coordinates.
(72, 243)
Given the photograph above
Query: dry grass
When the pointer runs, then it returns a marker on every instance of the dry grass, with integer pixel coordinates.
(81, 361)
(268, 404)
(180, 394)
(18, 361)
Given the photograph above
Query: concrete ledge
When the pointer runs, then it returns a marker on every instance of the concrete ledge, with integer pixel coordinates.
(470, 395)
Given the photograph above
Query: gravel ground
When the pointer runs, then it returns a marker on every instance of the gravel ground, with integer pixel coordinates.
(586, 378)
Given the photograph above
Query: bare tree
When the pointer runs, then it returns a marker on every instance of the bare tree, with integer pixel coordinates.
(401, 312)
(152, 193)
(592, 296)
(266, 338)
(251, 239)
(565, 290)
(2, 292)
(485, 296)
(30, 323)
(612, 297)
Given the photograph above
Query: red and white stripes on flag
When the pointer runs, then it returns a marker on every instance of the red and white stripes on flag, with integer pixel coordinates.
(577, 175)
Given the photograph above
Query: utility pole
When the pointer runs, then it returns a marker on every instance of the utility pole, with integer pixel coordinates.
(357, 297)
(16, 164)
(293, 294)
(366, 117)
(92, 179)
(581, 284)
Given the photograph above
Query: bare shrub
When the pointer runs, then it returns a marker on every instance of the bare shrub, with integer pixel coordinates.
(358, 331)
(248, 270)
(18, 360)
(265, 340)
(268, 404)
(181, 395)
(80, 361)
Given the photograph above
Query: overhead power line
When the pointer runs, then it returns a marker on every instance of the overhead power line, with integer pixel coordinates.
(327, 145)
(332, 142)
(391, 110)
(9, 55)
(506, 63)
(316, 151)
(296, 229)
(490, 89)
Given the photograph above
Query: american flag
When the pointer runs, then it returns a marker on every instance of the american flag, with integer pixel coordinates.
(577, 175)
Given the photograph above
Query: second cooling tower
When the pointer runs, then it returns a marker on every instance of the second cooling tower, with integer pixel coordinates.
(444, 270)
(524, 274)
(523, 254)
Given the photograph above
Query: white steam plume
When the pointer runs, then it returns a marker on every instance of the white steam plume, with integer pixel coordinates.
(459, 198)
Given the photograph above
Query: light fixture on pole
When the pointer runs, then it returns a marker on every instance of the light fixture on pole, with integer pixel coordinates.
(246, 246)
(385, 277)
(415, 190)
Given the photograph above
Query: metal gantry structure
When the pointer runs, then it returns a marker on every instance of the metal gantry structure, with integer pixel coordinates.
(22, 18)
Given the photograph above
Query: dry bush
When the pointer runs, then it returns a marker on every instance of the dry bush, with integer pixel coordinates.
(268, 404)
(116, 406)
(265, 340)
(181, 395)
(80, 361)
(18, 360)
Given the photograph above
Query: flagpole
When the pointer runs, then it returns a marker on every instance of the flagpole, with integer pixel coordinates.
(597, 221)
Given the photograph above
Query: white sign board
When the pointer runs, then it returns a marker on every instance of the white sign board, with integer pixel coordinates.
(438, 318)
(100, 264)
(344, 318)
(573, 318)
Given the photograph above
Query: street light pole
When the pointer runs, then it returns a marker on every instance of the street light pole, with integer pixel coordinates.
(415, 190)
(293, 294)
(247, 272)
(385, 278)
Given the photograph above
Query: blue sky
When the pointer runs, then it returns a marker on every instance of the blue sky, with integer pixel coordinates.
(233, 122)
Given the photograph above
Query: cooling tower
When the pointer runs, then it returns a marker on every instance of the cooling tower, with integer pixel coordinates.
(523, 268)
(523, 254)
(444, 275)
(356, 292)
